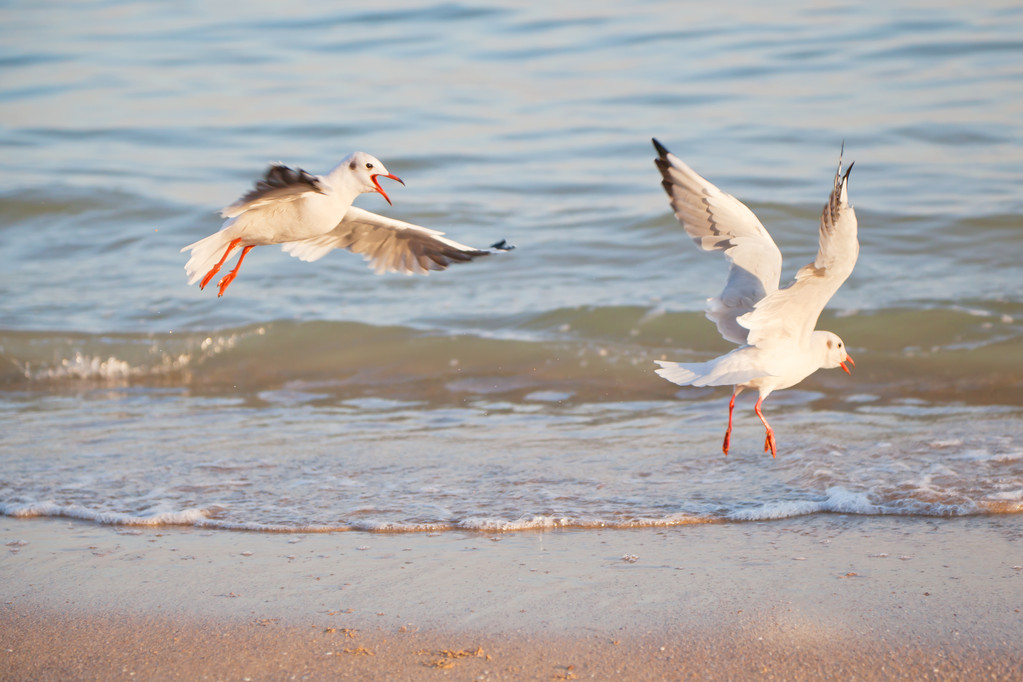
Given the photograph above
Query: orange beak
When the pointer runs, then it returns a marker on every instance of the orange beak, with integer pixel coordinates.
(848, 358)
(381, 189)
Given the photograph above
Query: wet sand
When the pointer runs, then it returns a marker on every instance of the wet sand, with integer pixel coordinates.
(850, 597)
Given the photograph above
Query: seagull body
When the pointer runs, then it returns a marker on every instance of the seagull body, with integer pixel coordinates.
(310, 215)
(774, 327)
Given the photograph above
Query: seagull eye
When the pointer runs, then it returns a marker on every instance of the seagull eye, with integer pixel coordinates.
(369, 166)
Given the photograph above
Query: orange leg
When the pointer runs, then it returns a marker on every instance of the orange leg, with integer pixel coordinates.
(728, 433)
(216, 268)
(229, 277)
(769, 443)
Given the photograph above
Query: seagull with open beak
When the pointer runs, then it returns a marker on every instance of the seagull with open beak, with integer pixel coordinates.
(310, 215)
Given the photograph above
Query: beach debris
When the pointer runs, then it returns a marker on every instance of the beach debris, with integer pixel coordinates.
(447, 658)
(630, 558)
(443, 664)
(565, 674)
(358, 651)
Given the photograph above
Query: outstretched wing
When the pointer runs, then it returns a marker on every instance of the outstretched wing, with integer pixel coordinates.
(389, 245)
(793, 311)
(719, 222)
(279, 184)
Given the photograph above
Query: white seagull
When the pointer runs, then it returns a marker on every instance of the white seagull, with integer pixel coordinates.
(310, 215)
(774, 327)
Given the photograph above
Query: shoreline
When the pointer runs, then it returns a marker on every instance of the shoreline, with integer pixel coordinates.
(866, 597)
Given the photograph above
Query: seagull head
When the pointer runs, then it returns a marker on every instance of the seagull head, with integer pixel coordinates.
(835, 354)
(365, 170)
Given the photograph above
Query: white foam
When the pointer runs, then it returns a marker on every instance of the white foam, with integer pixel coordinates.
(531, 523)
(149, 360)
(184, 517)
(837, 500)
(395, 527)
(844, 501)
(200, 518)
(541, 522)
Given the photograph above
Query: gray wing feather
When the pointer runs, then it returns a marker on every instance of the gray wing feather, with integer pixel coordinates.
(389, 245)
(717, 221)
(793, 311)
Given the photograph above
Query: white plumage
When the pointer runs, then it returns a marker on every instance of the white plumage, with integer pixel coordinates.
(310, 215)
(778, 345)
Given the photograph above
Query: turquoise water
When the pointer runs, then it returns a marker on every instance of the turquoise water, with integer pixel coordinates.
(516, 391)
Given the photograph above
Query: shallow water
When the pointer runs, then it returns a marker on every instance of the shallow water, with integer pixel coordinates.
(517, 391)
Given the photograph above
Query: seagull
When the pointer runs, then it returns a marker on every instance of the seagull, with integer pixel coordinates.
(774, 327)
(310, 215)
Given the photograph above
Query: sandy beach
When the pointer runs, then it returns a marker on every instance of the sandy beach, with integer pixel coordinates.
(850, 597)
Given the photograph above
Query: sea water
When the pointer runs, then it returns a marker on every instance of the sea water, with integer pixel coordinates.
(517, 391)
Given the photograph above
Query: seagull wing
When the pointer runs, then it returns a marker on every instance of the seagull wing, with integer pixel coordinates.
(717, 221)
(278, 185)
(389, 245)
(793, 311)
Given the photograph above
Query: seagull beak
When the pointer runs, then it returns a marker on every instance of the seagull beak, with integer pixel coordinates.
(848, 358)
(381, 189)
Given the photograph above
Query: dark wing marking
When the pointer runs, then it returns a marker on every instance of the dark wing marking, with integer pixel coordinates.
(279, 184)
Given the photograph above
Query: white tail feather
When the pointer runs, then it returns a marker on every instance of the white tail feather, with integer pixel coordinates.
(727, 370)
(205, 254)
(676, 373)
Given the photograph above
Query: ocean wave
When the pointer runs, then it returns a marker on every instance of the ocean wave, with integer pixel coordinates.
(198, 518)
(58, 358)
(209, 518)
(837, 500)
(967, 354)
(184, 517)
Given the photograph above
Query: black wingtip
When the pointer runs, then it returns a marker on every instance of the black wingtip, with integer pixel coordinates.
(661, 149)
(502, 245)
